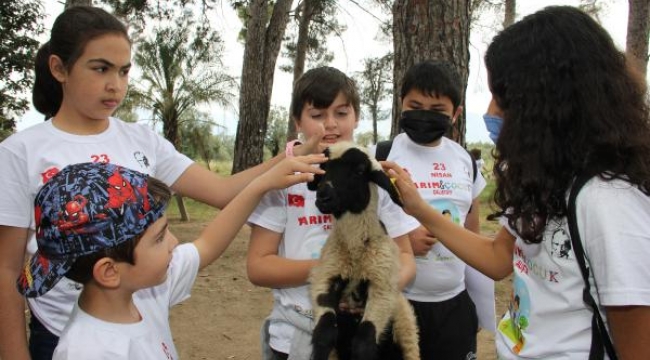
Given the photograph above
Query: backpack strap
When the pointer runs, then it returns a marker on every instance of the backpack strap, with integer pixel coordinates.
(599, 336)
(474, 166)
(383, 149)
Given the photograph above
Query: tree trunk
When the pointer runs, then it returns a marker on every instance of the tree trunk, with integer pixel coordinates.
(181, 208)
(260, 55)
(71, 3)
(306, 14)
(375, 116)
(638, 28)
(425, 30)
(170, 132)
(510, 12)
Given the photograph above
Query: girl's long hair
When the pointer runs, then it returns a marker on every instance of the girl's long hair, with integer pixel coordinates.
(572, 105)
(71, 31)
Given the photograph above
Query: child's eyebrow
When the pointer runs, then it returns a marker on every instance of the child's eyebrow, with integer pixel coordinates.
(108, 63)
(162, 231)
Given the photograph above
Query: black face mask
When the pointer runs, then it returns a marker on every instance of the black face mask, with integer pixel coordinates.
(424, 126)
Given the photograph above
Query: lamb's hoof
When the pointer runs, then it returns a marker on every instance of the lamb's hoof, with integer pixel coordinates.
(324, 337)
(364, 346)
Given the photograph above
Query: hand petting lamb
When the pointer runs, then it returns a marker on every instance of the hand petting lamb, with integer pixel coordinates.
(359, 266)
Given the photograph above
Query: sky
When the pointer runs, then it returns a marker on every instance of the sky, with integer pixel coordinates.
(360, 41)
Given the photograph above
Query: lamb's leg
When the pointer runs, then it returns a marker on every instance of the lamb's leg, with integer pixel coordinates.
(326, 295)
(405, 330)
(379, 308)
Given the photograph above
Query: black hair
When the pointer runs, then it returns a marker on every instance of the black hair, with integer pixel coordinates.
(434, 78)
(320, 86)
(71, 31)
(571, 105)
(476, 153)
(82, 269)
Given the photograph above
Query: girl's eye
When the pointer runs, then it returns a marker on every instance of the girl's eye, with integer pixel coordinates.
(101, 69)
(343, 113)
(316, 116)
(124, 72)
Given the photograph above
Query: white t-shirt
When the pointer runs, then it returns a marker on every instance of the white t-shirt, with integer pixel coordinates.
(32, 156)
(86, 337)
(444, 177)
(551, 320)
(293, 213)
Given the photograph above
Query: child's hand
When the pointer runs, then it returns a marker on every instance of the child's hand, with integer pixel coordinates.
(409, 195)
(312, 146)
(291, 171)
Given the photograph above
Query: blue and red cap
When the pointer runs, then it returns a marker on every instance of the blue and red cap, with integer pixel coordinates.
(81, 210)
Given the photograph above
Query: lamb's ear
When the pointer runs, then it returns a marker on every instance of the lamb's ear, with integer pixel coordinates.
(380, 178)
(313, 185)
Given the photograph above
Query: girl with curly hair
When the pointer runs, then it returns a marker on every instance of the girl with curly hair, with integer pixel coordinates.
(572, 106)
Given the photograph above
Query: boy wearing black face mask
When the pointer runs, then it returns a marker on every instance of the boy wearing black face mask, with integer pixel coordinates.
(447, 316)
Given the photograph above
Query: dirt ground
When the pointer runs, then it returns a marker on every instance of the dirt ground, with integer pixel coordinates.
(222, 318)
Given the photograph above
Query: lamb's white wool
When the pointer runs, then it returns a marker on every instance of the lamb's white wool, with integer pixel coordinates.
(359, 259)
(338, 149)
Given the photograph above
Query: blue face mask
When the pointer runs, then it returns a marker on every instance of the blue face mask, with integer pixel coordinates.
(493, 124)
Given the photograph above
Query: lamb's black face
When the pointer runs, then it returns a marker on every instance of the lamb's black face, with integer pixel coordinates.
(346, 184)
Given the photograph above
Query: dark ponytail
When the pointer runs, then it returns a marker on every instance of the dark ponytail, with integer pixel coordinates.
(71, 31)
(47, 94)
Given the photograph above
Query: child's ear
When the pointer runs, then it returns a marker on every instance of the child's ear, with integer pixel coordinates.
(57, 68)
(106, 273)
(459, 110)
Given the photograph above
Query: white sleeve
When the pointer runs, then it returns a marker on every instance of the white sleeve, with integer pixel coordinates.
(170, 163)
(16, 204)
(372, 150)
(271, 213)
(614, 224)
(479, 184)
(396, 221)
(182, 273)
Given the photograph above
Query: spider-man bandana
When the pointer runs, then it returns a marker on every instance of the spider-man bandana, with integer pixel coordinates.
(83, 209)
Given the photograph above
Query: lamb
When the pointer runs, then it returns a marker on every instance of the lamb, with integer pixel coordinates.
(359, 266)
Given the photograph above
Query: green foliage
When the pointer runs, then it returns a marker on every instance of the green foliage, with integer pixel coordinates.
(199, 211)
(366, 138)
(20, 24)
(181, 69)
(198, 140)
(138, 12)
(323, 23)
(276, 132)
(375, 86)
(241, 7)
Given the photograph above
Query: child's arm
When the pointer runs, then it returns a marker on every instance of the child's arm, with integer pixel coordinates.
(629, 327)
(406, 260)
(13, 342)
(266, 268)
(492, 257)
(472, 221)
(207, 187)
(216, 237)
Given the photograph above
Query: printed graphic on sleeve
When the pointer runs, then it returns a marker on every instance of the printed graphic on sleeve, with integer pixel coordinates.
(514, 326)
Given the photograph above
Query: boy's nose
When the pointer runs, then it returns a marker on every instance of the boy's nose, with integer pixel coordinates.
(330, 122)
(173, 242)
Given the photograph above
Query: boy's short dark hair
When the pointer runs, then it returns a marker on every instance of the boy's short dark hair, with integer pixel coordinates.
(433, 78)
(319, 87)
(82, 269)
